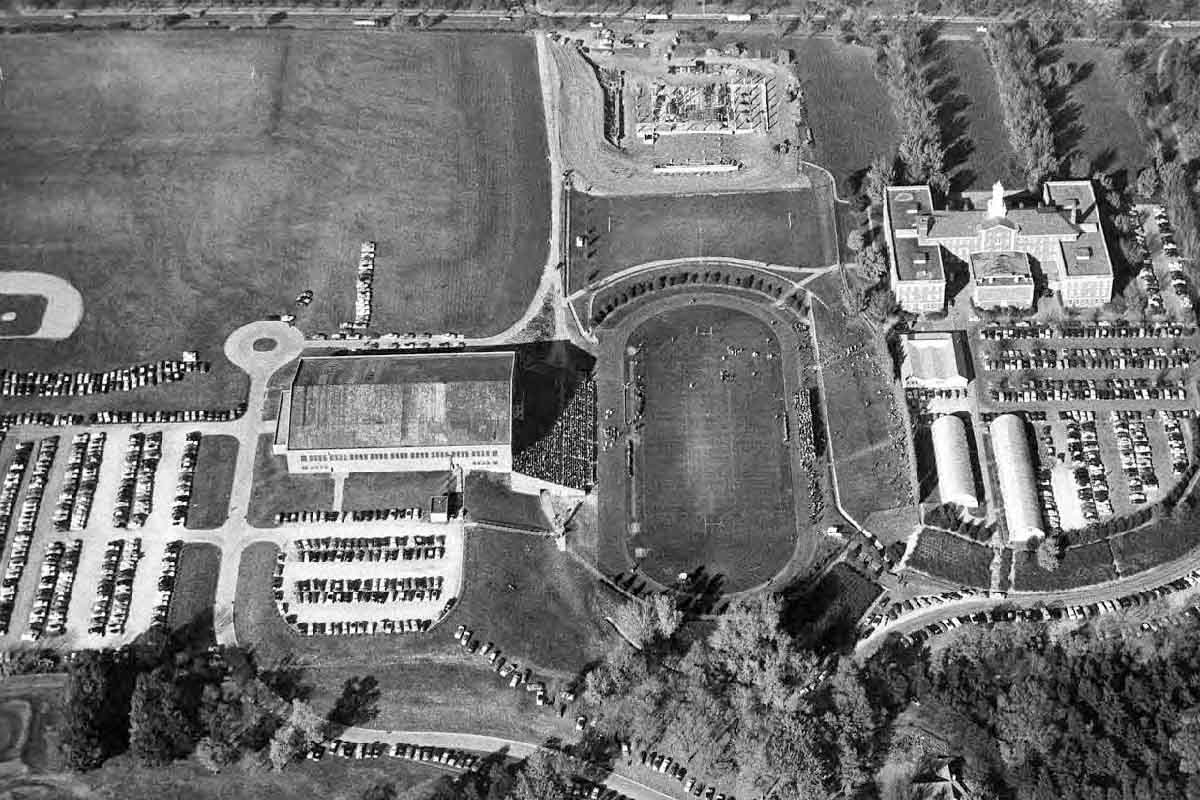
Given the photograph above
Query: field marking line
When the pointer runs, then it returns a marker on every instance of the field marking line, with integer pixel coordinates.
(64, 303)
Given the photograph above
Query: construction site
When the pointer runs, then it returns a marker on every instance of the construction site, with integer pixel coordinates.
(649, 116)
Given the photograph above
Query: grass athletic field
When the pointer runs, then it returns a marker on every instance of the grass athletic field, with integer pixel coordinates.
(713, 475)
(186, 188)
(195, 587)
(790, 228)
(848, 108)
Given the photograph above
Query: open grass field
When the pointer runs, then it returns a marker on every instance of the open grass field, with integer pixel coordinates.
(215, 466)
(790, 228)
(952, 558)
(983, 155)
(848, 108)
(713, 482)
(275, 489)
(537, 604)
(393, 489)
(195, 587)
(186, 186)
(865, 424)
(489, 499)
(1080, 566)
(1107, 134)
(1152, 545)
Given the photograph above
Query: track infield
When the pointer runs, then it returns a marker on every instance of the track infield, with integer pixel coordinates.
(713, 483)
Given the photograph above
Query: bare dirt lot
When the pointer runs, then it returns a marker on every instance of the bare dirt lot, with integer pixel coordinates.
(602, 168)
(186, 184)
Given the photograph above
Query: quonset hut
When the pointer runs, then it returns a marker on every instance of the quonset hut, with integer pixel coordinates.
(952, 455)
(1015, 473)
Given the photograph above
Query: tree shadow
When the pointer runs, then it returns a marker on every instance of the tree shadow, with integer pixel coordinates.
(952, 110)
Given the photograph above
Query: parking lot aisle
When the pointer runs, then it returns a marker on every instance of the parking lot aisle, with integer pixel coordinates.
(174, 439)
(339, 490)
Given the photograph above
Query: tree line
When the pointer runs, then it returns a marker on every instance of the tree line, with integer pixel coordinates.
(1012, 51)
(160, 703)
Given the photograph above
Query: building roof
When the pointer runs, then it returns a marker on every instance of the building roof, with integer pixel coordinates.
(916, 262)
(934, 359)
(401, 400)
(1001, 267)
(1014, 473)
(952, 457)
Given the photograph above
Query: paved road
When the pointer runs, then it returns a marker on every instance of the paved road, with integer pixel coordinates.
(1111, 590)
(493, 744)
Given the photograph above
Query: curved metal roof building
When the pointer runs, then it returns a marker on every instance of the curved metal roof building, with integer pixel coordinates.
(952, 455)
(1018, 484)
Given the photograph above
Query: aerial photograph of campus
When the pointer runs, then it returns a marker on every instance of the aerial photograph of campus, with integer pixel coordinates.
(573, 400)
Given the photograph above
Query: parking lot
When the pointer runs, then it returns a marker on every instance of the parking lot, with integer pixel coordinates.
(336, 576)
(105, 490)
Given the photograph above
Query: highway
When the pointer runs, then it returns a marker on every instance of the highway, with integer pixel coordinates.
(775, 23)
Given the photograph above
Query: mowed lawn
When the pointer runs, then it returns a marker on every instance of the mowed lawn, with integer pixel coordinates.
(713, 475)
(536, 604)
(195, 588)
(1107, 133)
(848, 108)
(190, 182)
(216, 464)
(789, 228)
(982, 155)
(275, 489)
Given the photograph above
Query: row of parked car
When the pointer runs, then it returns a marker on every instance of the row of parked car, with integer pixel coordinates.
(52, 597)
(1136, 454)
(166, 582)
(22, 542)
(454, 759)
(368, 590)
(1054, 613)
(331, 517)
(1103, 329)
(43, 419)
(362, 289)
(174, 415)
(82, 473)
(1071, 390)
(362, 627)
(689, 783)
(11, 488)
(135, 495)
(1166, 238)
(1158, 358)
(77, 384)
(186, 479)
(1176, 444)
(507, 670)
(114, 591)
(1087, 466)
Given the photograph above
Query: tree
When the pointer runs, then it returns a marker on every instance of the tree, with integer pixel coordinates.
(635, 621)
(303, 729)
(749, 649)
(86, 734)
(854, 240)
(880, 175)
(385, 790)
(1147, 182)
(542, 776)
(358, 702)
(667, 615)
(159, 730)
(1049, 553)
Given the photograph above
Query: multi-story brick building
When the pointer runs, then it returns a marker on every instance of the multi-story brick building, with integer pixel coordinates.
(1009, 244)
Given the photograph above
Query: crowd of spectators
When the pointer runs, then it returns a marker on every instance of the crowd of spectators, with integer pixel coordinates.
(566, 454)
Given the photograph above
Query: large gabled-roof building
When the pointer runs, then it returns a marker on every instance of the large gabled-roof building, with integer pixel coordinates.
(398, 413)
(1008, 244)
